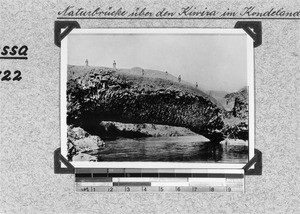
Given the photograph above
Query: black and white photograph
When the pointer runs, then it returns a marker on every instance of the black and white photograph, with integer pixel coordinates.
(139, 107)
(165, 96)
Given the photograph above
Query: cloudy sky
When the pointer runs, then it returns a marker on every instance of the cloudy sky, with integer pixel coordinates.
(216, 62)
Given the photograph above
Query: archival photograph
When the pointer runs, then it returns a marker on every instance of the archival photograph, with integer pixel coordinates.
(157, 95)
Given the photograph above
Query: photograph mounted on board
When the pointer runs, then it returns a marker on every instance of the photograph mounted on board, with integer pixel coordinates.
(157, 96)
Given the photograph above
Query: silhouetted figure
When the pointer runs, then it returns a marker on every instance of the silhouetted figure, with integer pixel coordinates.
(166, 74)
(86, 62)
(115, 64)
(179, 78)
(196, 84)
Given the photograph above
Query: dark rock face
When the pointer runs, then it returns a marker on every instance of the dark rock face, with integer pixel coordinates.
(105, 94)
(236, 120)
(240, 100)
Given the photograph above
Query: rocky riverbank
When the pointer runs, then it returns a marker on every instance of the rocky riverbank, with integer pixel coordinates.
(79, 142)
(234, 142)
(131, 130)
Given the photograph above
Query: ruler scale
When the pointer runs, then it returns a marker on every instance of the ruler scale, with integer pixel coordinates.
(159, 180)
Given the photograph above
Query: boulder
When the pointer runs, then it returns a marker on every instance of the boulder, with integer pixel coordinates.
(75, 133)
(88, 143)
(84, 157)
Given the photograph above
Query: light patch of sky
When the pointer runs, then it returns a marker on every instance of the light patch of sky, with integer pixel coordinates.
(216, 62)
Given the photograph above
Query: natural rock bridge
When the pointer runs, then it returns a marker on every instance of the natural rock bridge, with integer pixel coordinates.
(133, 101)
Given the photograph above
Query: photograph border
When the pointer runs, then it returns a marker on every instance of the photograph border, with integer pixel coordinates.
(137, 164)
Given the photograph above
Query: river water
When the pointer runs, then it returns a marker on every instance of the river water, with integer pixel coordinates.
(174, 149)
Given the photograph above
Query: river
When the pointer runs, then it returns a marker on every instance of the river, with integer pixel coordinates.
(173, 149)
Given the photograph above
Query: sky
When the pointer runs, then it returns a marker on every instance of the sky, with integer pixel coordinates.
(216, 62)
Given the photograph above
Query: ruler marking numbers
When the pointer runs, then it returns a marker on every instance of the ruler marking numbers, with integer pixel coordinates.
(158, 189)
(87, 183)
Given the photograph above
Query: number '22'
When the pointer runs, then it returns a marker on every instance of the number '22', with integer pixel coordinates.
(7, 73)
